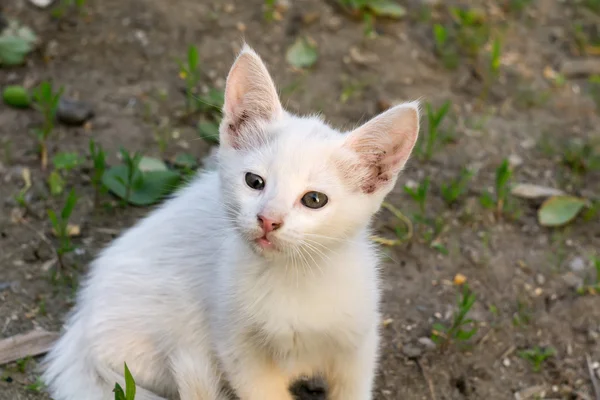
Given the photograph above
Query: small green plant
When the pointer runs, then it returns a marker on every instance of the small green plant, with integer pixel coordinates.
(369, 10)
(37, 386)
(66, 5)
(60, 224)
(66, 161)
(472, 31)
(536, 356)
(46, 100)
(98, 157)
(63, 163)
(133, 172)
(270, 11)
(453, 190)
(444, 47)
(140, 180)
(189, 72)
(501, 200)
(430, 228)
(493, 70)
(419, 194)
(22, 364)
(210, 105)
(462, 328)
(581, 157)
(130, 388)
(523, 314)
(427, 143)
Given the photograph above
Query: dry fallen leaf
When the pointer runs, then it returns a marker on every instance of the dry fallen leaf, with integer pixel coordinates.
(384, 241)
(26, 174)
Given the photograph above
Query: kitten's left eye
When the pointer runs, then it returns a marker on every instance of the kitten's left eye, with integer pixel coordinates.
(254, 181)
(314, 199)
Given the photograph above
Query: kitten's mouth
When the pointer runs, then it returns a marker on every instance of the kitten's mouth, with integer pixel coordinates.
(264, 243)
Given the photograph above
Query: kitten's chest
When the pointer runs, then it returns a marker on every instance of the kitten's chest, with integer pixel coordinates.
(295, 322)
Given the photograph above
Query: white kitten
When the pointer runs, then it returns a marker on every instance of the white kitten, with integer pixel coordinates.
(253, 275)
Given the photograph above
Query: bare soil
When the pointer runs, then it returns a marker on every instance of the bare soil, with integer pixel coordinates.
(122, 52)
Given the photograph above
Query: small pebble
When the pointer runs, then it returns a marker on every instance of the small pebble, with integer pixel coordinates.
(515, 160)
(411, 351)
(74, 112)
(41, 3)
(506, 362)
(577, 264)
(540, 279)
(427, 343)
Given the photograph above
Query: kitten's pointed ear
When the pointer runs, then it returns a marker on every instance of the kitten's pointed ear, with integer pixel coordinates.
(250, 97)
(383, 146)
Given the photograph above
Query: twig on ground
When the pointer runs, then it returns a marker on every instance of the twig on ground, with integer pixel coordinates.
(427, 379)
(33, 343)
(595, 383)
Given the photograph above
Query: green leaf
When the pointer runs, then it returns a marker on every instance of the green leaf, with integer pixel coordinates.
(16, 41)
(13, 50)
(151, 164)
(466, 335)
(66, 161)
(386, 8)
(69, 206)
(186, 160)
(129, 385)
(192, 58)
(119, 393)
(302, 54)
(209, 131)
(487, 200)
(212, 101)
(440, 34)
(560, 210)
(440, 248)
(56, 183)
(439, 327)
(150, 186)
(53, 219)
(16, 96)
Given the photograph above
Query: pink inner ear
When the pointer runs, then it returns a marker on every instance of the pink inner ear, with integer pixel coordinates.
(383, 146)
(250, 96)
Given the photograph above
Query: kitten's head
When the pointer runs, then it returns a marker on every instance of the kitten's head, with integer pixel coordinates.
(293, 185)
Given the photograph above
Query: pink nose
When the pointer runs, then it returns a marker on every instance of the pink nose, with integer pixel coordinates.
(268, 224)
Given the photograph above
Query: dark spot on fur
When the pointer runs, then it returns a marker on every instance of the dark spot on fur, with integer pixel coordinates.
(368, 188)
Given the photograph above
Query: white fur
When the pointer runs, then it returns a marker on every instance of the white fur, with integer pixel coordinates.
(189, 301)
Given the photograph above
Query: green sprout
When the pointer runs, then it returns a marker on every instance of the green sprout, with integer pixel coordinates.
(536, 356)
(60, 224)
(462, 328)
(46, 100)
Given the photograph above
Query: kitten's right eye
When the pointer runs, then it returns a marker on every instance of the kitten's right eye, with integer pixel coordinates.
(255, 181)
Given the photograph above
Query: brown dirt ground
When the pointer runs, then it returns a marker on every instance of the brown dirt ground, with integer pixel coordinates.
(523, 274)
